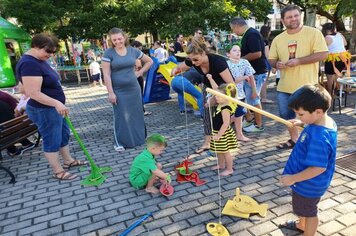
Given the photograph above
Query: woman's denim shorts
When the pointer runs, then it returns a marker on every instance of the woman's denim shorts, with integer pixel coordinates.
(51, 125)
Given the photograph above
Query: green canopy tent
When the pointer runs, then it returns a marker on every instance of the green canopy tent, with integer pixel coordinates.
(13, 43)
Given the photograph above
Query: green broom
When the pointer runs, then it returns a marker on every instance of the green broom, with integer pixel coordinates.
(96, 176)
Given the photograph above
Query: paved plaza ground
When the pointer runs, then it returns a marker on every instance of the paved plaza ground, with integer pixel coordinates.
(40, 205)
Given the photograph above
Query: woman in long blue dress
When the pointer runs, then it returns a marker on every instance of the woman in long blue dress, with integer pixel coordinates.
(120, 78)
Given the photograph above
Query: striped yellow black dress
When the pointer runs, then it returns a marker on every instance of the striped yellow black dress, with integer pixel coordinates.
(228, 141)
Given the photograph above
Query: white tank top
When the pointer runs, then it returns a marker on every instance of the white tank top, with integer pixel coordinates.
(337, 45)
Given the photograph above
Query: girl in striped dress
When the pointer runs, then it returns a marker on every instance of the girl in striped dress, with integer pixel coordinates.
(224, 139)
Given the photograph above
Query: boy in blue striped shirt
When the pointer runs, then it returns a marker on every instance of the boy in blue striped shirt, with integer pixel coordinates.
(311, 165)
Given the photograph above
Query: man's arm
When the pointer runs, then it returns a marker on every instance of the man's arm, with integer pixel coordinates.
(272, 62)
(318, 56)
(252, 56)
(277, 64)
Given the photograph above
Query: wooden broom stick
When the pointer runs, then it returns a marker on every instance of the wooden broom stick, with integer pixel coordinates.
(262, 112)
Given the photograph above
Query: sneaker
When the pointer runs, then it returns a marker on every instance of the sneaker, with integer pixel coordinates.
(246, 123)
(18, 152)
(253, 129)
(119, 148)
(28, 147)
(182, 113)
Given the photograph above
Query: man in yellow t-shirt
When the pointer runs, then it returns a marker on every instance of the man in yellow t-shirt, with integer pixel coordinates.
(296, 53)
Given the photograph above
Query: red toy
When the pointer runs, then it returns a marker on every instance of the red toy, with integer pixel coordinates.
(166, 189)
(184, 174)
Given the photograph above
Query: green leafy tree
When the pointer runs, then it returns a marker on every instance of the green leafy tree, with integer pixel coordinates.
(334, 10)
(93, 18)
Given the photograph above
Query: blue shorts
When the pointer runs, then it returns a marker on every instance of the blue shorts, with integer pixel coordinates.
(96, 77)
(240, 110)
(284, 111)
(260, 79)
(52, 127)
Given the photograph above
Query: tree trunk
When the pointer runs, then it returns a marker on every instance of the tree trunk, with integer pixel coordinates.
(67, 48)
(155, 36)
(310, 16)
(340, 26)
(352, 46)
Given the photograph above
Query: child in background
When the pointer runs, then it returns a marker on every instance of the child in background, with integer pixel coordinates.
(145, 170)
(242, 72)
(95, 72)
(311, 165)
(160, 53)
(223, 136)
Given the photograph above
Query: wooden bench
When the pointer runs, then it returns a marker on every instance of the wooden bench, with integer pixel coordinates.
(12, 132)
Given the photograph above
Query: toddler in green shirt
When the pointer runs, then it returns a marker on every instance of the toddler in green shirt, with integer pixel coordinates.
(145, 170)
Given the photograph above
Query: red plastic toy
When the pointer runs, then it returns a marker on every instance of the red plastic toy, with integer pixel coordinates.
(184, 174)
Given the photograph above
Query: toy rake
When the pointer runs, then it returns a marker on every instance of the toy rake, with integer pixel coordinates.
(96, 176)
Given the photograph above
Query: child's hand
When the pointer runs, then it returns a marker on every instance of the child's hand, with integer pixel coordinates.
(297, 122)
(17, 113)
(175, 71)
(168, 179)
(216, 137)
(287, 180)
(209, 76)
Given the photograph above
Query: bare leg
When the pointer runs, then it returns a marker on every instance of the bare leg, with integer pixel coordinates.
(149, 187)
(263, 93)
(221, 162)
(248, 115)
(330, 81)
(229, 164)
(67, 157)
(238, 129)
(258, 116)
(206, 143)
(52, 158)
(311, 225)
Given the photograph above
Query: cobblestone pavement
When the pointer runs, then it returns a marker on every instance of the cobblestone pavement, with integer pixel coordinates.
(40, 205)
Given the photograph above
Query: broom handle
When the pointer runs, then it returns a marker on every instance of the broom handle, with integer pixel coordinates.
(262, 112)
(79, 141)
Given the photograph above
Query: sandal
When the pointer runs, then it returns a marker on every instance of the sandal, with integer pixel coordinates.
(287, 145)
(201, 149)
(63, 175)
(291, 225)
(74, 163)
